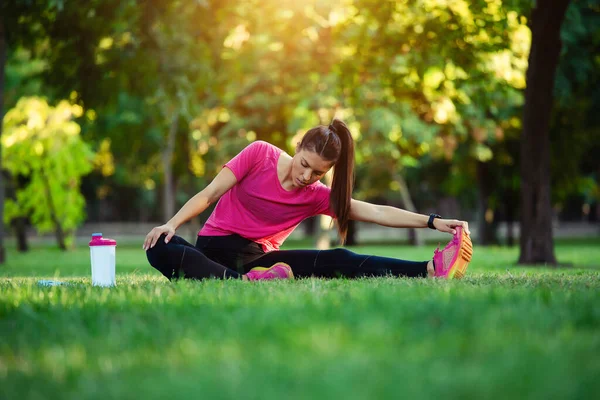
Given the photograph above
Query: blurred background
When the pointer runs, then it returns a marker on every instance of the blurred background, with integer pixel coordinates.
(116, 112)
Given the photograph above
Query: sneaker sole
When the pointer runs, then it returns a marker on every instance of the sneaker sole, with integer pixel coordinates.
(465, 253)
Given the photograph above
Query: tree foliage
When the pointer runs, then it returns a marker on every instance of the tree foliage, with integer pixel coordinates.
(433, 91)
(43, 145)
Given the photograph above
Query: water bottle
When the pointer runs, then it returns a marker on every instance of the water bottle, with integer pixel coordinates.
(102, 252)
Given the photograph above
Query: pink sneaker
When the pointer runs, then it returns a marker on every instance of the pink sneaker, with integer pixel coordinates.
(278, 270)
(452, 262)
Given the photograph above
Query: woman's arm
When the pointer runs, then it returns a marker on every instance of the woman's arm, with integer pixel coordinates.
(398, 218)
(224, 181)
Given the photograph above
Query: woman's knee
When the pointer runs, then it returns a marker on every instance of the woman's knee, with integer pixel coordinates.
(336, 256)
(158, 257)
(159, 247)
(339, 253)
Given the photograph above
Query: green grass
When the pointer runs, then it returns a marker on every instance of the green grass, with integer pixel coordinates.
(502, 332)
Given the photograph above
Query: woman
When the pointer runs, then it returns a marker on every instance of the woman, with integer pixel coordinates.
(264, 194)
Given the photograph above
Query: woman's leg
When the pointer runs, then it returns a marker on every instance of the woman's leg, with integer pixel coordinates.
(340, 263)
(232, 250)
(178, 258)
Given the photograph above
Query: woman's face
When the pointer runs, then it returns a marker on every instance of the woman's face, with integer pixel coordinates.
(308, 167)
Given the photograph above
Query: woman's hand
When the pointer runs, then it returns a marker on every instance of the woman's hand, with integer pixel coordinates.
(155, 233)
(448, 225)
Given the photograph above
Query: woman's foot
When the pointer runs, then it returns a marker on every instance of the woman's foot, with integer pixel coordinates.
(452, 262)
(279, 270)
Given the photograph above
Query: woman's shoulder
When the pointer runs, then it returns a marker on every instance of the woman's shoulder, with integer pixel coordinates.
(261, 149)
(263, 145)
(320, 188)
(258, 155)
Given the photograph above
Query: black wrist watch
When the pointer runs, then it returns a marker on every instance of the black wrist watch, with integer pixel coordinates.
(431, 218)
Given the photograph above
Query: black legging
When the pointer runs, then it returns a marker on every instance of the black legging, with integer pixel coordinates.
(231, 256)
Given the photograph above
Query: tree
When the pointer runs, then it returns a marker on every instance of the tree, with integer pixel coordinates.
(21, 78)
(536, 243)
(2, 63)
(25, 26)
(431, 82)
(42, 143)
(574, 165)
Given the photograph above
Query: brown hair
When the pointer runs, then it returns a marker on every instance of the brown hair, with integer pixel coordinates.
(335, 143)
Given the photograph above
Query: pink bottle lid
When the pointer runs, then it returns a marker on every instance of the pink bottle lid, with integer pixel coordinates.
(98, 240)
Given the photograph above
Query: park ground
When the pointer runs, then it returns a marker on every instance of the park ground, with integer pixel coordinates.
(502, 332)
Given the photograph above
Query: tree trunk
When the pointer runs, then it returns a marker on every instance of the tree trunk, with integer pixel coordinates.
(310, 227)
(169, 190)
(2, 63)
(485, 214)
(598, 200)
(20, 224)
(58, 229)
(510, 219)
(351, 236)
(537, 246)
(414, 235)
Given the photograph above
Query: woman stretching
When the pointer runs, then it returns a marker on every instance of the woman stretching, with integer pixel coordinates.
(263, 194)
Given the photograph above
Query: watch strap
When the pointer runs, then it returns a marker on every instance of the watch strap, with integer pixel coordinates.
(431, 218)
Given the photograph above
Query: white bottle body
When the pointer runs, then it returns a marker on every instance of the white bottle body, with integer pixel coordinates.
(103, 265)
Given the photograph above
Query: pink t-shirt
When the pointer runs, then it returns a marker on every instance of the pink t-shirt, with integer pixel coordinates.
(257, 207)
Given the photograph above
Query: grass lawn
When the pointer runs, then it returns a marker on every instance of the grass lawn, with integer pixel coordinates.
(502, 332)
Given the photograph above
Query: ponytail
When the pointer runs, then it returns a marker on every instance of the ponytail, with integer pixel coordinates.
(343, 178)
(334, 143)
